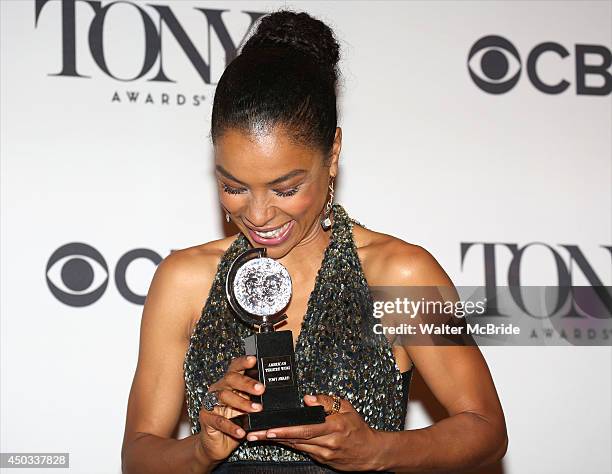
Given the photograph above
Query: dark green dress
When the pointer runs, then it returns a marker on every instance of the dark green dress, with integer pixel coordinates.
(337, 352)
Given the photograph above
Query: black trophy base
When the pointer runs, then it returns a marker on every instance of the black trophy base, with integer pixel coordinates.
(264, 420)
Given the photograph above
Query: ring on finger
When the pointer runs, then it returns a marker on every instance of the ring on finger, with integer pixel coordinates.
(210, 400)
(335, 405)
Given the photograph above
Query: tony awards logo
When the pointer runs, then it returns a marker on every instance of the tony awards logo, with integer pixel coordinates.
(258, 290)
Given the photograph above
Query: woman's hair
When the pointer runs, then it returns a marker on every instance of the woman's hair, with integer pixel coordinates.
(285, 74)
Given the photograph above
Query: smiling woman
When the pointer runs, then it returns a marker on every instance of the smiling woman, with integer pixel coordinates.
(276, 147)
(281, 212)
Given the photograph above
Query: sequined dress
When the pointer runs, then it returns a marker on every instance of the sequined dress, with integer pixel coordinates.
(337, 352)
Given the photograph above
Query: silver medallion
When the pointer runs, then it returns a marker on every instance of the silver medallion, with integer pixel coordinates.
(262, 286)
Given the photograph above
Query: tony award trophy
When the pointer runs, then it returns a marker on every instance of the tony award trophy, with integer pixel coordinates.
(258, 290)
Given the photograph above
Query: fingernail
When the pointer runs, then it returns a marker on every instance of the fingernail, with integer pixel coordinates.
(258, 386)
(271, 435)
(311, 398)
(240, 432)
(256, 406)
(252, 438)
(251, 358)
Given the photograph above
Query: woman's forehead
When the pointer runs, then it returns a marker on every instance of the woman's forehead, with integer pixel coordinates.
(263, 147)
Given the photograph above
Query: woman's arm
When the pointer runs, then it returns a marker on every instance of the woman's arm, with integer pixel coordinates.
(149, 453)
(157, 394)
(474, 434)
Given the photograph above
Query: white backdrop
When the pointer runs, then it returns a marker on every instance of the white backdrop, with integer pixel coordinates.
(428, 156)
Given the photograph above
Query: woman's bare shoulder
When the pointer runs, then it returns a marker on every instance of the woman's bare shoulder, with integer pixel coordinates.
(190, 271)
(200, 259)
(391, 261)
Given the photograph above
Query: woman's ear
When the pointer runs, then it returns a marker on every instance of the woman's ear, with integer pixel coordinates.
(335, 153)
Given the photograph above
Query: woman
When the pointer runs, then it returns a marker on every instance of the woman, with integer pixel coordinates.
(277, 145)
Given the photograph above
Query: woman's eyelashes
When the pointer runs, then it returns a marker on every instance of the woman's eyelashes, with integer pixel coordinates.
(286, 193)
(232, 190)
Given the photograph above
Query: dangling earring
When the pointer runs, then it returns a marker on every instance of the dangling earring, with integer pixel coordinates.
(227, 216)
(325, 220)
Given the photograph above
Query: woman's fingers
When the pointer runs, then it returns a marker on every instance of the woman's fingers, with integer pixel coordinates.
(327, 403)
(238, 364)
(229, 412)
(236, 400)
(233, 392)
(234, 380)
(320, 453)
(243, 383)
(217, 421)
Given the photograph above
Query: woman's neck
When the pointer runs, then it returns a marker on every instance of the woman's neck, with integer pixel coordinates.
(306, 257)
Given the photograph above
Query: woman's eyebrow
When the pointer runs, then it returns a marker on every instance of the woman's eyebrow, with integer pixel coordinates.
(291, 174)
(280, 179)
(227, 174)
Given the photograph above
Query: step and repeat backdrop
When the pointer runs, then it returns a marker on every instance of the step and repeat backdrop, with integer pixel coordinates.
(481, 131)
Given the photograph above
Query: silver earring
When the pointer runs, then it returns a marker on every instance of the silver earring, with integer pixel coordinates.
(325, 219)
(227, 217)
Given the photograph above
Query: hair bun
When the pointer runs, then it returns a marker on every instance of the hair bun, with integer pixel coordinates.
(298, 31)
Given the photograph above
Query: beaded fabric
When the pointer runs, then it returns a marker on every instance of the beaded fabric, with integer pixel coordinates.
(337, 351)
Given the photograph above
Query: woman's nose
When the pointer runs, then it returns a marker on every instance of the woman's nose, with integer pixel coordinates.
(259, 213)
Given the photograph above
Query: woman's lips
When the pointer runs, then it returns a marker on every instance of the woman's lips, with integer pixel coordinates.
(276, 237)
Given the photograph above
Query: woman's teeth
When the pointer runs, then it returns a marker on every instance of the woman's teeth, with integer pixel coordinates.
(273, 233)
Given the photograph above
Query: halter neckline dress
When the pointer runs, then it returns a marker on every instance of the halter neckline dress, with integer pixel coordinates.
(337, 352)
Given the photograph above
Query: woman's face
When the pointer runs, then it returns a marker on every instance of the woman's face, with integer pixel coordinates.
(273, 188)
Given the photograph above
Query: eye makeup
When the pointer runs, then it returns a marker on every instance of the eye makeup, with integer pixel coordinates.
(233, 190)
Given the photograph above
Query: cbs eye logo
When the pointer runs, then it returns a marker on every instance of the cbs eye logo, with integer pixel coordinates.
(495, 66)
(77, 274)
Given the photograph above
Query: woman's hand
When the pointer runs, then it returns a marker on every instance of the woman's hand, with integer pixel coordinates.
(219, 436)
(345, 441)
